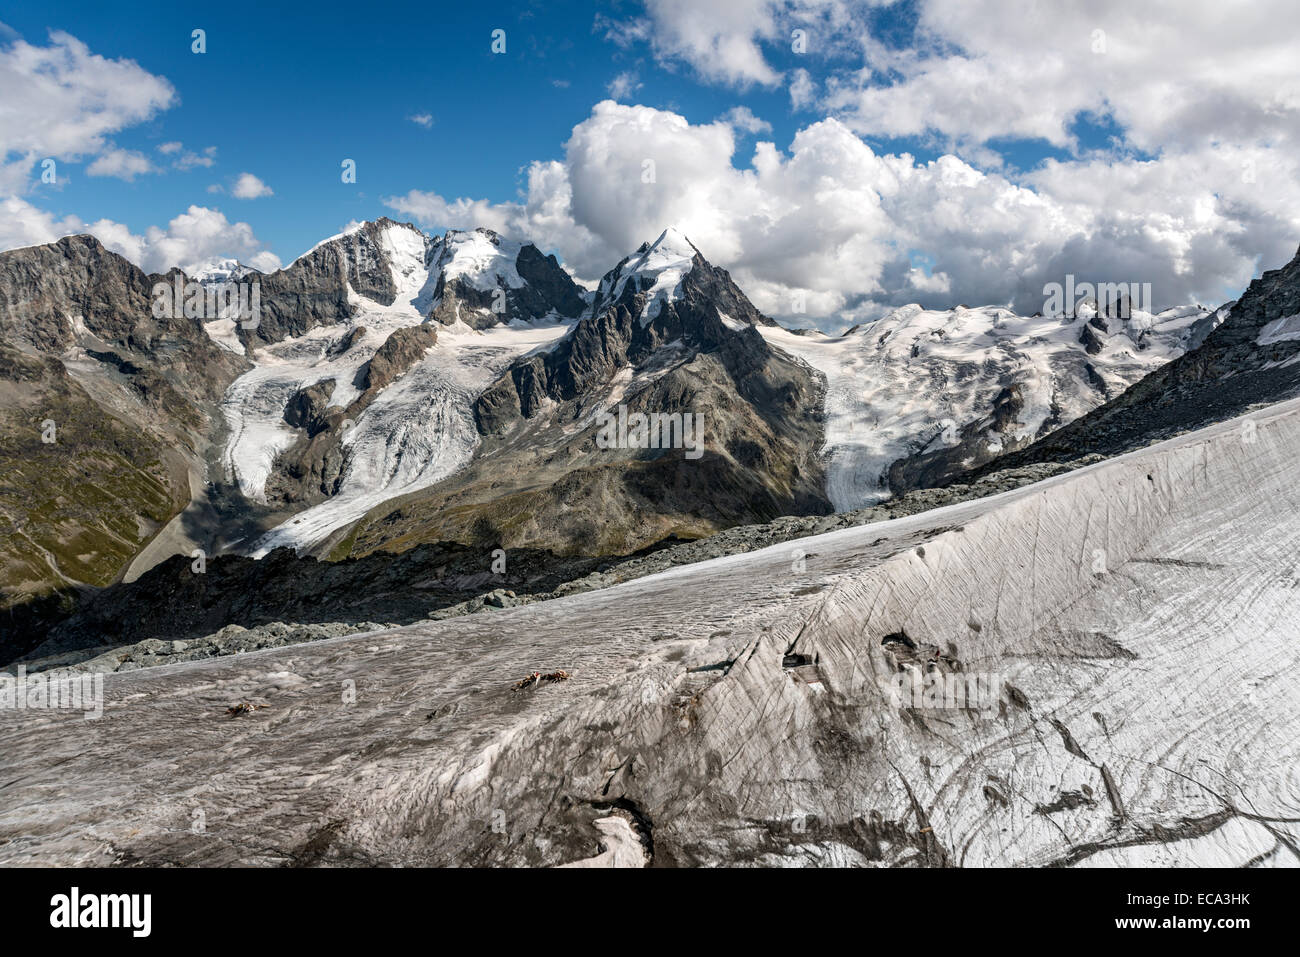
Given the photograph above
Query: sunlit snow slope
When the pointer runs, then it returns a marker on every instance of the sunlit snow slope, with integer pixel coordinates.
(915, 380)
(420, 429)
(1144, 614)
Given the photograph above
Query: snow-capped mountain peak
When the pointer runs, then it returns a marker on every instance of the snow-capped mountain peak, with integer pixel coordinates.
(671, 244)
(483, 279)
(479, 257)
(219, 269)
(656, 269)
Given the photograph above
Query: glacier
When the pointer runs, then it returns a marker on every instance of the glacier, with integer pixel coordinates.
(1144, 611)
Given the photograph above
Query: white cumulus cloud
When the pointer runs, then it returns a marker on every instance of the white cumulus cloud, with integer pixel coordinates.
(724, 41)
(623, 85)
(1168, 75)
(836, 223)
(122, 164)
(193, 237)
(248, 186)
(743, 118)
(62, 101)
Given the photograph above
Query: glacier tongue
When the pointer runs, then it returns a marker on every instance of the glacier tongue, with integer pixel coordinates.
(418, 431)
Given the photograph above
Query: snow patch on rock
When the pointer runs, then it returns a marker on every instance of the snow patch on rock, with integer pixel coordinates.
(1280, 330)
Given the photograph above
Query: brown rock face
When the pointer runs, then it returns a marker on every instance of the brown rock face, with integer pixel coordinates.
(75, 293)
(399, 352)
(312, 290)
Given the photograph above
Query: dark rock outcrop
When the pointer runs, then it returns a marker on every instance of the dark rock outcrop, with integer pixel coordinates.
(312, 290)
(306, 410)
(399, 352)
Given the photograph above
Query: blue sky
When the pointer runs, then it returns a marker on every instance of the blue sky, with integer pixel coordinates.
(300, 88)
(289, 93)
(974, 129)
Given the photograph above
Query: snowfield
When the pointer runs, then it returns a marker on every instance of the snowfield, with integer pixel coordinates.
(417, 431)
(1142, 616)
(472, 256)
(913, 380)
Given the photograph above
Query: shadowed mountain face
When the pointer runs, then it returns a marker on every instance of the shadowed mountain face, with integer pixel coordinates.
(105, 409)
(78, 300)
(635, 313)
(313, 290)
(1252, 358)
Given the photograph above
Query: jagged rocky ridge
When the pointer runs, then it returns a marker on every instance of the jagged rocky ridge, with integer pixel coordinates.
(657, 338)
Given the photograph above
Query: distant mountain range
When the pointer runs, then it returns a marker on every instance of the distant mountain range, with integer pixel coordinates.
(397, 389)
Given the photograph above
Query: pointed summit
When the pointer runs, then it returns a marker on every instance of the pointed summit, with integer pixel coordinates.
(655, 269)
(673, 242)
